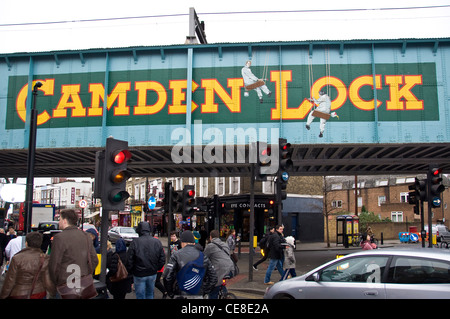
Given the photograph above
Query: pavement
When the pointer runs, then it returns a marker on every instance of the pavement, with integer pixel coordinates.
(244, 288)
(255, 288)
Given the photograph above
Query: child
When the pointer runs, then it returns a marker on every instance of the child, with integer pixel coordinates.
(289, 258)
(175, 243)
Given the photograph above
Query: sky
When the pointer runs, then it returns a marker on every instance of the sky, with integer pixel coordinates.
(48, 25)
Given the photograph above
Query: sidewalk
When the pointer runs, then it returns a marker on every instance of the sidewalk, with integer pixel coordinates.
(256, 286)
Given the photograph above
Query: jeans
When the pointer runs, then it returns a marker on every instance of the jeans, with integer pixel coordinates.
(274, 263)
(144, 286)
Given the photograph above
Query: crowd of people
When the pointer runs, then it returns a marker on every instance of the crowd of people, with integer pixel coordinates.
(196, 266)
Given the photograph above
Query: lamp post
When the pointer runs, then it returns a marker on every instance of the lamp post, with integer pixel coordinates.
(30, 159)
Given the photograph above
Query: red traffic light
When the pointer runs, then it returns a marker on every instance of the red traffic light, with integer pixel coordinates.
(191, 193)
(436, 171)
(122, 156)
(266, 151)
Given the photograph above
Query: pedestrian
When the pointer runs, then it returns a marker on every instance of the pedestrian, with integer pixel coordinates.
(144, 258)
(28, 276)
(16, 244)
(204, 236)
(3, 243)
(175, 243)
(185, 262)
(118, 289)
(72, 254)
(367, 244)
(264, 245)
(289, 258)
(94, 236)
(219, 254)
(276, 254)
(231, 242)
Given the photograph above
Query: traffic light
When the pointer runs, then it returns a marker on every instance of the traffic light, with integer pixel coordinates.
(188, 200)
(435, 186)
(285, 154)
(115, 174)
(177, 201)
(263, 161)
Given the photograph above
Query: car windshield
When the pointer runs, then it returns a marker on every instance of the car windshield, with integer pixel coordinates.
(127, 231)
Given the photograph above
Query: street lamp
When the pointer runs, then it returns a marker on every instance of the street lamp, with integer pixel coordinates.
(30, 159)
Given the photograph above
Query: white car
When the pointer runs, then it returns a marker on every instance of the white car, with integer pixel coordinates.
(126, 233)
(373, 274)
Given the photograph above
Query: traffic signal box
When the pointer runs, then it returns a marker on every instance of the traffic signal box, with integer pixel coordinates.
(285, 154)
(111, 174)
(188, 200)
(285, 164)
(435, 186)
(177, 200)
(263, 161)
(419, 193)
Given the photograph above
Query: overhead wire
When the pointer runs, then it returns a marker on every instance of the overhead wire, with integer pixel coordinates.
(222, 13)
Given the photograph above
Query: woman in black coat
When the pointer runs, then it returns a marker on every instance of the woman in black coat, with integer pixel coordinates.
(118, 289)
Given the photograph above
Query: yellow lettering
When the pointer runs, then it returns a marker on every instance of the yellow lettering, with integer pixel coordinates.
(48, 87)
(403, 98)
(119, 93)
(179, 96)
(355, 86)
(70, 99)
(281, 78)
(232, 101)
(97, 93)
(142, 87)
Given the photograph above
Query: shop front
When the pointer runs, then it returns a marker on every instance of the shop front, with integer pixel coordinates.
(234, 213)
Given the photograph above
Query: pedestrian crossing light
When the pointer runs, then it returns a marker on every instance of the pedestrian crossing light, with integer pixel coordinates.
(115, 175)
(435, 186)
(188, 200)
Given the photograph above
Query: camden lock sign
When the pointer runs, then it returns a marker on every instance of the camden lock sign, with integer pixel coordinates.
(404, 92)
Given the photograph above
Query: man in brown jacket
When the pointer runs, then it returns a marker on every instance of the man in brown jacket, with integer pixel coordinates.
(25, 266)
(70, 250)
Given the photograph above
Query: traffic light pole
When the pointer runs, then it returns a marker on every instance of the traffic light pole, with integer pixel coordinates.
(252, 223)
(422, 224)
(103, 242)
(31, 160)
(430, 214)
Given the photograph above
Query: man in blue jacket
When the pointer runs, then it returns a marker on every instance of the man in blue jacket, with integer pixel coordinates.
(144, 258)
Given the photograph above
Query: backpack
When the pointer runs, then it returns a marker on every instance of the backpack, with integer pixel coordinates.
(190, 276)
(235, 269)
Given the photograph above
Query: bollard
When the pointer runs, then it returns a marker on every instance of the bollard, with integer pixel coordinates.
(381, 239)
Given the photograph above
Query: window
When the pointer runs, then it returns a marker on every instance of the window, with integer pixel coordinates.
(397, 217)
(203, 187)
(235, 183)
(381, 200)
(336, 204)
(220, 186)
(410, 270)
(358, 269)
(404, 197)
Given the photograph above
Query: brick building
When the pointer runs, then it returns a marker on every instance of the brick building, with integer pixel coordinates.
(385, 196)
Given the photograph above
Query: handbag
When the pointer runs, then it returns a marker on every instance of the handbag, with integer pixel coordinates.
(86, 290)
(121, 272)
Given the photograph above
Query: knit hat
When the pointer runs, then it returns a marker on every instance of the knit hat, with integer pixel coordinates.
(187, 237)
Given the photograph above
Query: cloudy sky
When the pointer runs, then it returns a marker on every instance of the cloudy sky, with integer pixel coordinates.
(46, 25)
